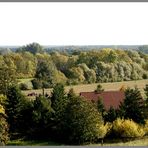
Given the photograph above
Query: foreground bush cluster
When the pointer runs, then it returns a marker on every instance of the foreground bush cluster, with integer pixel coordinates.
(68, 118)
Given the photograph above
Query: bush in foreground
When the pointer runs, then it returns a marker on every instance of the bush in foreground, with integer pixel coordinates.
(146, 127)
(3, 131)
(127, 129)
(3, 123)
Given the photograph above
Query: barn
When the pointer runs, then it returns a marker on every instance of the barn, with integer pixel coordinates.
(109, 98)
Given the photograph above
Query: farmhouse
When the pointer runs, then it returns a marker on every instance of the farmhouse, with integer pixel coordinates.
(109, 98)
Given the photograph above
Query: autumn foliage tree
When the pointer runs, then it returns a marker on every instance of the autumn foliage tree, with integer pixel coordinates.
(4, 128)
(7, 78)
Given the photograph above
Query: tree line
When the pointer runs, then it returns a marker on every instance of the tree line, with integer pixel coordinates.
(47, 69)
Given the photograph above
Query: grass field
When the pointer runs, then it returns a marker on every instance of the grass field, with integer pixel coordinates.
(24, 80)
(20, 142)
(140, 142)
(91, 87)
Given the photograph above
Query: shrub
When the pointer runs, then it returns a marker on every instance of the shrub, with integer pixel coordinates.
(36, 84)
(145, 76)
(3, 123)
(23, 86)
(99, 89)
(3, 131)
(46, 84)
(127, 129)
(106, 129)
(146, 127)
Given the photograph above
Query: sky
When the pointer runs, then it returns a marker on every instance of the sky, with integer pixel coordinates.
(74, 23)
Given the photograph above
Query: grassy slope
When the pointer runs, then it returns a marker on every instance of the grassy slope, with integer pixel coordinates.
(140, 142)
(91, 87)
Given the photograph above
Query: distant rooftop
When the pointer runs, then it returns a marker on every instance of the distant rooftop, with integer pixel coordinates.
(109, 98)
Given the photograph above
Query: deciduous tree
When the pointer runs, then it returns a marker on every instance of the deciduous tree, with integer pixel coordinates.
(7, 78)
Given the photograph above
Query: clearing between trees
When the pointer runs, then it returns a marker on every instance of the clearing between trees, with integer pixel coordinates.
(91, 87)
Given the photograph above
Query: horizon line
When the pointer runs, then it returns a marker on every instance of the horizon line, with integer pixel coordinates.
(76, 45)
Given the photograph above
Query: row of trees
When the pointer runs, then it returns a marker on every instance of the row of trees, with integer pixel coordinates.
(62, 117)
(70, 119)
(105, 65)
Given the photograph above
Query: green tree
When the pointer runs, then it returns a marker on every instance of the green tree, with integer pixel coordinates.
(26, 124)
(7, 78)
(30, 63)
(77, 74)
(47, 75)
(89, 74)
(111, 115)
(44, 73)
(60, 61)
(99, 89)
(58, 100)
(15, 101)
(33, 48)
(112, 57)
(19, 64)
(9, 61)
(133, 105)
(100, 106)
(146, 100)
(82, 122)
(58, 77)
(102, 71)
(58, 103)
(41, 117)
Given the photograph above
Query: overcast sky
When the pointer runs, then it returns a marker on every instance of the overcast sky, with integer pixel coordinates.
(73, 23)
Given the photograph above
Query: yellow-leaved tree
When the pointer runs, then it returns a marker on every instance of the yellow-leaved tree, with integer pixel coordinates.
(3, 122)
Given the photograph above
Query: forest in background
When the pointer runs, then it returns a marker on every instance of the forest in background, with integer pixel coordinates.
(72, 65)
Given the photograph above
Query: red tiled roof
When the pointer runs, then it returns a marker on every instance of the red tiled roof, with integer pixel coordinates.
(109, 98)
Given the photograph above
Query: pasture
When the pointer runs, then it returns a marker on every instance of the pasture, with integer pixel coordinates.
(91, 87)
